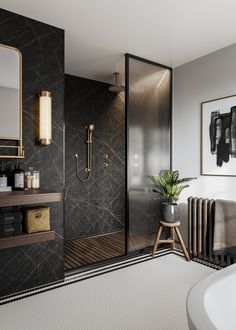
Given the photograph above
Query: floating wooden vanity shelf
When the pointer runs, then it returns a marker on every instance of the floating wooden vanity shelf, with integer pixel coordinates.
(25, 239)
(27, 197)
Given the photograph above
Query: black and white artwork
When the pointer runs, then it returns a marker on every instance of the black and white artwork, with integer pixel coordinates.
(219, 137)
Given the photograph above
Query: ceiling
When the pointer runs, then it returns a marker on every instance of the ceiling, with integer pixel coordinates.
(99, 32)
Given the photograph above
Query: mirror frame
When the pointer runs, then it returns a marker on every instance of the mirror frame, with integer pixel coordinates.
(19, 142)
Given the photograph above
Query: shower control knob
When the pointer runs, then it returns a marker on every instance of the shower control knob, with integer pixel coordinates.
(105, 160)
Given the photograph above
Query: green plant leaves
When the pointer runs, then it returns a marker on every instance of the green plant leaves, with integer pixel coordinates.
(169, 185)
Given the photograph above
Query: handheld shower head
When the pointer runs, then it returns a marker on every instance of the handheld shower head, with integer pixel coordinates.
(91, 127)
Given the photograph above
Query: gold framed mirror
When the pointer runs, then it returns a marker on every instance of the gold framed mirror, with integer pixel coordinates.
(11, 144)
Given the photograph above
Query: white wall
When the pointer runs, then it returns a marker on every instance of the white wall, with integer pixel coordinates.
(209, 77)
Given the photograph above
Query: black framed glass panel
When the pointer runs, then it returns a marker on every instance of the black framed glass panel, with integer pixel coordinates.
(148, 111)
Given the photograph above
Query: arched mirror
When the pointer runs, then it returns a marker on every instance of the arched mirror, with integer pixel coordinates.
(11, 145)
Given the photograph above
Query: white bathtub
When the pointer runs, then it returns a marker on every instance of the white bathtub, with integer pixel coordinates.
(211, 303)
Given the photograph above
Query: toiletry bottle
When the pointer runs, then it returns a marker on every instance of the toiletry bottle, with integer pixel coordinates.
(29, 178)
(3, 177)
(18, 176)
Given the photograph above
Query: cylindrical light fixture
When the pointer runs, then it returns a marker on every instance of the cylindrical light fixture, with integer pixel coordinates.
(45, 117)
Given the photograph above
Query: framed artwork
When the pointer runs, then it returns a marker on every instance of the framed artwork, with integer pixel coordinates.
(218, 136)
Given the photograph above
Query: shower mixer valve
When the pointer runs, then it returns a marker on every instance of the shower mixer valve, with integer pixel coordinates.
(105, 160)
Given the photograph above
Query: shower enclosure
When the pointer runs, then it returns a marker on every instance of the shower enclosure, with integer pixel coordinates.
(94, 209)
(115, 212)
(148, 121)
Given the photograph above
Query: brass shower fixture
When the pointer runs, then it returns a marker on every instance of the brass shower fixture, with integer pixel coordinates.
(90, 128)
(117, 87)
(105, 158)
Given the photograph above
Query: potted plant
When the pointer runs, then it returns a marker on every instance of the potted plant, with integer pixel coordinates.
(169, 185)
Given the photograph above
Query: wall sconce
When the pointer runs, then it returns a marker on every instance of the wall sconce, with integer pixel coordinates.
(45, 117)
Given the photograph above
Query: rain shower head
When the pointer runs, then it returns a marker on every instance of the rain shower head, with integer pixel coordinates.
(117, 87)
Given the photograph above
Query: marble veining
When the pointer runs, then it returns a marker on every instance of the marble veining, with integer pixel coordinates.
(98, 205)
(42, 48)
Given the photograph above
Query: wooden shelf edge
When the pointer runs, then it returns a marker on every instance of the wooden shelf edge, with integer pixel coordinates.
(26, 239)
(37, 196)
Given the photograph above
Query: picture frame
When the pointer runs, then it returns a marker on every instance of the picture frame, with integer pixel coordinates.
(218, 136)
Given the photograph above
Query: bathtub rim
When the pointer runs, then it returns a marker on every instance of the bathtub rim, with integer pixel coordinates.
(196, 312)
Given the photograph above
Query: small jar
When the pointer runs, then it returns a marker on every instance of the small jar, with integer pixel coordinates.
(29, 178)
(35, 179)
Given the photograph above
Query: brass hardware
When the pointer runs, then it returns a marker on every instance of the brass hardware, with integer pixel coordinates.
(90, 128)
(117, 87)
(46, 93)
(105, 160)
(45, 141)
(45, 118)
(12, 157)
(20, 153)
(14, 147)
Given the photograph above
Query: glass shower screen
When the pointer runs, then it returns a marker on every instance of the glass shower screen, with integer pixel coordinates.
(148, 111)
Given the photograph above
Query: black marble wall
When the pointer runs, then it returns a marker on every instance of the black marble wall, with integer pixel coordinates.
(98, 205)
(42, 48)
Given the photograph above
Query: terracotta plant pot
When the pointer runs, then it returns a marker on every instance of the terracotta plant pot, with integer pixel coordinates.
(170, 213)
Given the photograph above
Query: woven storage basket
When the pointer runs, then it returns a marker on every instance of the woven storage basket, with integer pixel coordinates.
(37, 219)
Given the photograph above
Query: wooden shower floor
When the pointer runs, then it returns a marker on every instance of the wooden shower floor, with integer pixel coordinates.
(88, 250)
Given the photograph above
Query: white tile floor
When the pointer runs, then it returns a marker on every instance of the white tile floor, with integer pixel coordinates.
(147, 296)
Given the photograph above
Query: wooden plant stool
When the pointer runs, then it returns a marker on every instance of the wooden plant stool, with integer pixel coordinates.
(173, 227)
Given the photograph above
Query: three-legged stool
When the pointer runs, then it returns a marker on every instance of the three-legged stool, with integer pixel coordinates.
(173, 227)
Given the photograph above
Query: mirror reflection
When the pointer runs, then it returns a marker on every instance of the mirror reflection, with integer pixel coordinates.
(9, 93)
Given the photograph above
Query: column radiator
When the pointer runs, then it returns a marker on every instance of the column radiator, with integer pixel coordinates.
(201, 215)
